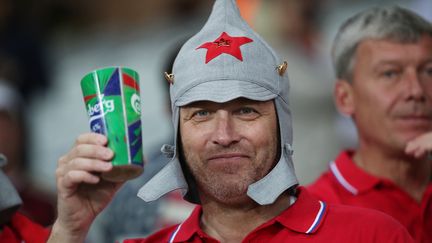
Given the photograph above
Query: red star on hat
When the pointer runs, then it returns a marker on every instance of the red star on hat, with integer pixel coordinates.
(225, 44)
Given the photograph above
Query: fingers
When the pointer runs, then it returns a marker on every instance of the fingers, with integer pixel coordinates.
(80, 170)
(91, 151)
(87, 158)
(415, 149)
(89, 145)
(91, 138)
(75, 177)
(420, 146)
(84, 164)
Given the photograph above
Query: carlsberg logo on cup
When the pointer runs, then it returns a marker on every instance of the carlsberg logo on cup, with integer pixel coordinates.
(108, 106)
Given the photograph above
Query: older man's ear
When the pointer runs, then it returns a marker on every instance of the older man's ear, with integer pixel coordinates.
(344, 97)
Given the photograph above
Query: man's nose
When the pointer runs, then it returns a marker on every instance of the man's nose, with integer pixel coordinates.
(225, 132)
(414, 87)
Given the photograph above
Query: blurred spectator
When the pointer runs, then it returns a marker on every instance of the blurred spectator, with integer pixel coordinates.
(22, 54)
(23, 73)
(37, 204)
(15, 227)
(382, 58)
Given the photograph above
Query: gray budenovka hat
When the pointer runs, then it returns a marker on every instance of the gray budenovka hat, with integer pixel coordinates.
(224, 61)
(10, 201)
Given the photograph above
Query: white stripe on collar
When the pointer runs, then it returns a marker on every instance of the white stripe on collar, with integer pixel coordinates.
(334, 169)
(318, 218)
(171, 240)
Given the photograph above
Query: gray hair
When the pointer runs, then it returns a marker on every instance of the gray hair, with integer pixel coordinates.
(390, 23)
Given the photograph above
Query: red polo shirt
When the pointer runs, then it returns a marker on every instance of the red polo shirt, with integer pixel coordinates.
(22, 230)
(345, 183)
(307, 220)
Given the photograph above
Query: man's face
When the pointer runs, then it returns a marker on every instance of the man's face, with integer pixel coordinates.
(228, 146)
(392, 91)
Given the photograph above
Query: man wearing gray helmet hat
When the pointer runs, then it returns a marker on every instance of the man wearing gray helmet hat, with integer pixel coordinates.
(383, 63)
(231, 154)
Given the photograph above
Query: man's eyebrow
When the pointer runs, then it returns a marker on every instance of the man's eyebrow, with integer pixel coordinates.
(388, 61)
(391, 61)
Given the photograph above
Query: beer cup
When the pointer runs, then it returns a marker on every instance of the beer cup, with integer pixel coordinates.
(112, 100)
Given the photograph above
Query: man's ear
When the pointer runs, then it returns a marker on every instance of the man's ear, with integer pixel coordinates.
(344, 97)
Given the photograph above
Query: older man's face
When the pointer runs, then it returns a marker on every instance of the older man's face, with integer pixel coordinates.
(228, 146)
(392, 91)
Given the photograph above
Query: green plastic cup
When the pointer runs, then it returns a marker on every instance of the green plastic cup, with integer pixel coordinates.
(112, 100)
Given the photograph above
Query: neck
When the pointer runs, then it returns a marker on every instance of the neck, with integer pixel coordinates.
(233, 223)
(410, 174)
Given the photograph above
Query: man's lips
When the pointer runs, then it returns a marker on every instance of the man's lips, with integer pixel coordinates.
(227, 157)
(415, 119)
(228, 163)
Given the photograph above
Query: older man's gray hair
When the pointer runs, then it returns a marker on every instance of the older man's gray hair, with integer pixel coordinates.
(380, 23)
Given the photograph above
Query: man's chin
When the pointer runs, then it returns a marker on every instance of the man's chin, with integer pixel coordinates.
(227, 189)
(233, 199)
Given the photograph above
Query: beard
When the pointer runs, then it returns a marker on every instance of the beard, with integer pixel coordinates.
(223, 185)
(228, 183)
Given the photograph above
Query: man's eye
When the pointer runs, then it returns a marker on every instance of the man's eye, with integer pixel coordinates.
(390, 74)
(428, 72)
(425, 74)
(201, 113)
(246, 111)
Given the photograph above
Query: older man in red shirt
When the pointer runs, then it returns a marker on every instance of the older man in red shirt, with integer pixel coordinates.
(383, 62)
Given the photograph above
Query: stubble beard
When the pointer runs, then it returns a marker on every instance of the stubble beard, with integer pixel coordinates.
(228, 184)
